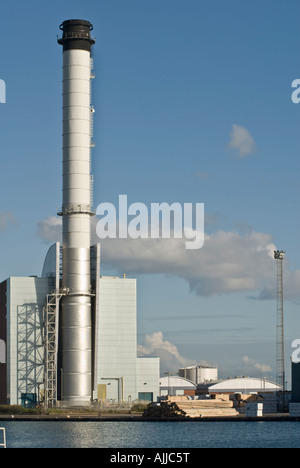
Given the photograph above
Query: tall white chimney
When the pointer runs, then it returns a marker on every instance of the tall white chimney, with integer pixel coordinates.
(76, 316)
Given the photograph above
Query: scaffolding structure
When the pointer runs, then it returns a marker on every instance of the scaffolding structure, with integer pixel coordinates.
(29, 350)
(51, 327)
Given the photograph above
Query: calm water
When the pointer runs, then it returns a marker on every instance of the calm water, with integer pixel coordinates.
(152, 434)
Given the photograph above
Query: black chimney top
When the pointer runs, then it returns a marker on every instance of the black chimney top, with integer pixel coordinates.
(76, 35)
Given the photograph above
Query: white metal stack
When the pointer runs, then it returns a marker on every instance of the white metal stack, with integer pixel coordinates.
(76, 212)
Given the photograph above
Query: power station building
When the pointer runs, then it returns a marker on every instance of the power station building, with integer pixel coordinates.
(71, 334)
(119, 375)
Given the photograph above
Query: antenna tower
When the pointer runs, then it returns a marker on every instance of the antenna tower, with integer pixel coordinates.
(280, 368)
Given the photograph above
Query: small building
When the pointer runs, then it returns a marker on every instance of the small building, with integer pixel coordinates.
(176, 386)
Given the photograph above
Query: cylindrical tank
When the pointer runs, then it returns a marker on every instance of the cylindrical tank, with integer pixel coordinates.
(76, 211)
(199, 374)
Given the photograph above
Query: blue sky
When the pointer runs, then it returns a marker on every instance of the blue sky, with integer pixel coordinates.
(193, 104)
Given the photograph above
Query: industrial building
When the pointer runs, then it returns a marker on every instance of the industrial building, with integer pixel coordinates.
(244, 385)
(119, 374)
(70, 335)
(174, 385)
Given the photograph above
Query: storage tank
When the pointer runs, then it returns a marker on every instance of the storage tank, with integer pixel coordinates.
(199, 374)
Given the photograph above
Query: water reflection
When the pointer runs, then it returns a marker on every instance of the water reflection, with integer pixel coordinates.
(152, 434)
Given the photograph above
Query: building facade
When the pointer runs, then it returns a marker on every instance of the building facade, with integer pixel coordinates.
(122, 375)
(119, 375)
(21, 331)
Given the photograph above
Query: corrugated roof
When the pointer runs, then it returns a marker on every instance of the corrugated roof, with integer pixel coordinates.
(176, 382)
(244, 385)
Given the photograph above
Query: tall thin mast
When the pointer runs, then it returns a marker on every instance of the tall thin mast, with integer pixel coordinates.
(280, 365)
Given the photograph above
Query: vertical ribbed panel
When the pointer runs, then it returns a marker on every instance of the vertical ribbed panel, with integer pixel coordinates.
(76, 306)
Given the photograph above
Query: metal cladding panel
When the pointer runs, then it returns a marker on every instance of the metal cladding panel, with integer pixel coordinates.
(148, 372)
(95, 278)
(77, 84)
(75, 71)
(75, 166)
(77, 200)
(76, 279)
(77, 154)
(74, 243)
(76, 112)
(77, 320)
(77, 349)
(77, 58)
(77, 220)
(76, 126)
(80, 269)
(77, 181)
(117, 336)
(78, 283)
(76, 234)
(71, 140)
(78, 355)
(74, 194)
(75, 100)
(75, 390)
(80, 255)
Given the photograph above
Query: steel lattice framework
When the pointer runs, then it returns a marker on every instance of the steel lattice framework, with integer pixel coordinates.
(30, 360)
(280, 366)
(51, 326)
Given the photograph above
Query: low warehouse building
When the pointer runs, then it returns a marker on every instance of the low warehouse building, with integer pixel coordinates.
(173, 385)
(244, 385)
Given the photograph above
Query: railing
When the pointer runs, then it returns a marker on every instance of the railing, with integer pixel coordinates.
(3, 444)
(76, 209)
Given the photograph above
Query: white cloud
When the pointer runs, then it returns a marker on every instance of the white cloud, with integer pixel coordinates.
(7, 220)
(228, 262)
(251, 363)
(155, 342)
(242, 141)
(170, 358)
(50, 229)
